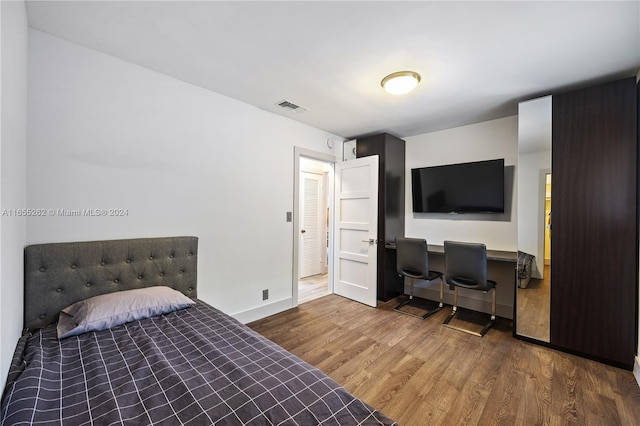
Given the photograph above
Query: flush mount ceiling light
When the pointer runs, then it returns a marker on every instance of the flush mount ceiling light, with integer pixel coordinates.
(400, 82)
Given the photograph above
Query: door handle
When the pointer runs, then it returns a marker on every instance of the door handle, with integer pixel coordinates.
(371, 241)
(302, 231)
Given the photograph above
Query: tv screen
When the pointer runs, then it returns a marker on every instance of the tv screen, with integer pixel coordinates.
(476, 187)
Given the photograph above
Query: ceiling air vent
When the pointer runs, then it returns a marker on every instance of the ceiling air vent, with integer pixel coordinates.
(290, 106)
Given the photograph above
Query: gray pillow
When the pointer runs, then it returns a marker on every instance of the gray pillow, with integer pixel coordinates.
(108, 310)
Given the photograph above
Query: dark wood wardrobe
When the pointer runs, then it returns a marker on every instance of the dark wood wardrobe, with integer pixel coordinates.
(391, 152)
(594, 243)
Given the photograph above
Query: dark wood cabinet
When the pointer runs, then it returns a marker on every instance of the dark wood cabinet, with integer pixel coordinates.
(594, 244)
(391, 152)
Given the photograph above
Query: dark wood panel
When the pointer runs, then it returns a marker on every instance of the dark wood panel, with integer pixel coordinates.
(594, 237)
(394, 177)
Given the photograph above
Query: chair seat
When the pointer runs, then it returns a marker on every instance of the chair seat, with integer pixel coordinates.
(471, 284)
(431, 275)
(434, 275)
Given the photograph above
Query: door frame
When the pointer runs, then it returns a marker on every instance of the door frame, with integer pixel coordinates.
(299, 152)
(545, 221)
(542, 221)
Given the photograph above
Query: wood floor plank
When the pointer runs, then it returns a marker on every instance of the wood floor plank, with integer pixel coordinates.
(417, 390)
(564, 404)
(421, 373)
(474, 395)
(392, 381)
(627, 397)
(353, 346)
(536, 368)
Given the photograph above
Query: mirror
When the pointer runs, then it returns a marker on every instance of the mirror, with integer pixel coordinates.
(534, 219)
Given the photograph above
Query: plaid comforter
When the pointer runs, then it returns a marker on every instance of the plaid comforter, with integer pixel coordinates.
(196, 366)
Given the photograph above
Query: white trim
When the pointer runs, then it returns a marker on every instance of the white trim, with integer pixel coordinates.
(263, 311)
(299, 152)
(636, 370)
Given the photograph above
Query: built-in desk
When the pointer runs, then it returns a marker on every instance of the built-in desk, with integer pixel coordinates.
(501, 268)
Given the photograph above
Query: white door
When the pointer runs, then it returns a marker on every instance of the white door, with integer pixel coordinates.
(313, 239)
(356, 229)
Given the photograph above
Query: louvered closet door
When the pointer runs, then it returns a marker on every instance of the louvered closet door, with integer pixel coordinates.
(313, 243)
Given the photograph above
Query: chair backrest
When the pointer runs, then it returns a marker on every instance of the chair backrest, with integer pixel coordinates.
(412, 257)
(466, 263)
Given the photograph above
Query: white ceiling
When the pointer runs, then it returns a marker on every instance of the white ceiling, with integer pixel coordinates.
(477, 59)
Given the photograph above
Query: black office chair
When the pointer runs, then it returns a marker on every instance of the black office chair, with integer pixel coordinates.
(413, 262)
(466, 267)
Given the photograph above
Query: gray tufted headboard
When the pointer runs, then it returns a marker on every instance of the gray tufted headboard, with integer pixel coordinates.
(59, 274)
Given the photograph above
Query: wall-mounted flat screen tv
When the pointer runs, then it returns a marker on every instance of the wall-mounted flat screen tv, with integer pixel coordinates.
(476, 187)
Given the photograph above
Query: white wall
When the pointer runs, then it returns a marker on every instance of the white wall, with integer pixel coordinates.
(13, 140)
(482, 141)
(104, 133)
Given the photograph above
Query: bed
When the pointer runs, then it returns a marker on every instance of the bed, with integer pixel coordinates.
(193, 365)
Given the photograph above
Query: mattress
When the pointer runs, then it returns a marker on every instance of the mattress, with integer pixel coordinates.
(195, 366)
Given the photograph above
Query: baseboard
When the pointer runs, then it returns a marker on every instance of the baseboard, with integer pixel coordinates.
(263, 311)
(636, 370)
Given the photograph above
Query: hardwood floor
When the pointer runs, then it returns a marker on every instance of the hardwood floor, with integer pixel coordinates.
(311, 288)
(420, 373)
(534, 306)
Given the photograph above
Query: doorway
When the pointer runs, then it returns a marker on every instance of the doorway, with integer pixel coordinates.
(547, 223)
(313, 195)
(313, 261)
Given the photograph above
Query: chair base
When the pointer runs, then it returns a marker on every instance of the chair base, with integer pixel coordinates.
(411, 302)
(455, 310)
(474, 333)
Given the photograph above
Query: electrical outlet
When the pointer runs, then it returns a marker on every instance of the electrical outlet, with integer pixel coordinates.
(265, 294)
